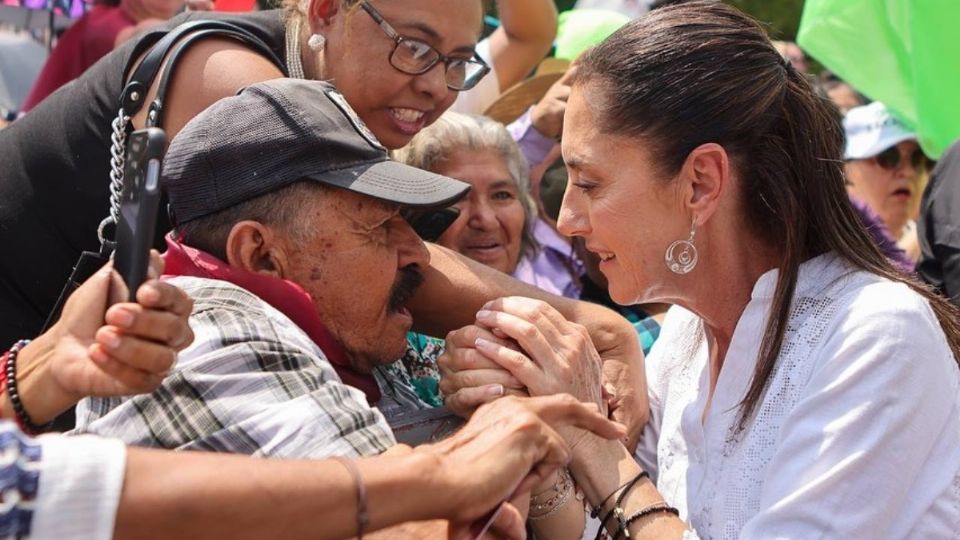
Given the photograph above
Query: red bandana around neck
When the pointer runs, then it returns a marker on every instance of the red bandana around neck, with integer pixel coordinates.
(285, 296)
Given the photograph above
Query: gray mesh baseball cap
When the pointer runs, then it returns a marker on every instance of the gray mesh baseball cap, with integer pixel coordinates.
(275, 133)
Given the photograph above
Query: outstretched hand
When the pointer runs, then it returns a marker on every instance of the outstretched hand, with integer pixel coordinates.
(547, 115)
(506, 448)
(129, 348)
(95, 351)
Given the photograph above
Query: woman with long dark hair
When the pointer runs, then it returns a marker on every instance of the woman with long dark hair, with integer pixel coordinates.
(801, 387)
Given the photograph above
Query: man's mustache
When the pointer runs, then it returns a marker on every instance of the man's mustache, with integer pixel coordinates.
(408, 281)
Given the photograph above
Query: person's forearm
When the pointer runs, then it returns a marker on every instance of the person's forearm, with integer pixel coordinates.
(600, 467)
(456, 287)
(41, 396)
(529, 20)
(527, 30)
(565, 522)
(196, 495)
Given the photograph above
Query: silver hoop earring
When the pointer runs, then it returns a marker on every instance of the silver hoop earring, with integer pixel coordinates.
(681, 256)
(316, 42)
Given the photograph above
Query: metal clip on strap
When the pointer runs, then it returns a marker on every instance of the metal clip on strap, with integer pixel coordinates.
(134, 95)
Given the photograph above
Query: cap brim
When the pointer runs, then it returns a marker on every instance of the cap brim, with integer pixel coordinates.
(395, 182)
(877, 146)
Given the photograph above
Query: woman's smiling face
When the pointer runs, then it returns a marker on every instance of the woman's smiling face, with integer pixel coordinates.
(393, 104)
(490, 226)
(616, 201)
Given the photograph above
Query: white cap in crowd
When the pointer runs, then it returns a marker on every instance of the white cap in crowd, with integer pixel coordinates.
(871, 129)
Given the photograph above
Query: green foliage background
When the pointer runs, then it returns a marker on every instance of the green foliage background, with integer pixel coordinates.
(782, 17)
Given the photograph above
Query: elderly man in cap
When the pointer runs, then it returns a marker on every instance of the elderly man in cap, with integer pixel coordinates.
(289, 237)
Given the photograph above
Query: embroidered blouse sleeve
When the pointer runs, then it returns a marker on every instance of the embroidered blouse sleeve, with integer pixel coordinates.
(857, 454)
(677, 322)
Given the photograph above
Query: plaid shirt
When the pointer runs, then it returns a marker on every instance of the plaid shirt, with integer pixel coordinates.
(251, 383)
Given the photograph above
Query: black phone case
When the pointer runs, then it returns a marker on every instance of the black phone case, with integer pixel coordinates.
(139, 204)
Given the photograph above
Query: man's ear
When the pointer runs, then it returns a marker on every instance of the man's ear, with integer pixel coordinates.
(320, 13)
(254, 247)
(706, 175)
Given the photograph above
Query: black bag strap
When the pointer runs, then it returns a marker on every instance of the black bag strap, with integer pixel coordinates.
(173, 44)
(155, 114)
(134, 93)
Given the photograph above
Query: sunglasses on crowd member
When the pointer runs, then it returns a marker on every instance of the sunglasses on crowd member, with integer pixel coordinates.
(431, 224)
(414, 57)
(891, 158)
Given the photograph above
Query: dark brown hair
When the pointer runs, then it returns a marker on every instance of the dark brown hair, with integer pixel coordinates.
(704, 72)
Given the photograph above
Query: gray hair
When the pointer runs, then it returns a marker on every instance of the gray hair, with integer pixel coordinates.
(455, 131)
(279, 209)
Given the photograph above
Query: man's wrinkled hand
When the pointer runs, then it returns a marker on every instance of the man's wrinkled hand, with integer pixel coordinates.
(468, 379)
(507, 447)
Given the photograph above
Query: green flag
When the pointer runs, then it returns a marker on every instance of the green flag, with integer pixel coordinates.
(580, 29)
(905, 53)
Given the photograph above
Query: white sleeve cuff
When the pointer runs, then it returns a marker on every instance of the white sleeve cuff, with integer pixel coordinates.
(80, 483)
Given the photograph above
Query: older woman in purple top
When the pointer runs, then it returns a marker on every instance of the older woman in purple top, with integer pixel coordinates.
(498, 224)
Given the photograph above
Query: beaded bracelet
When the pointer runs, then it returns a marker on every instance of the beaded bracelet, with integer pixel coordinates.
(652, 509)
(10, 370)
(561, 493)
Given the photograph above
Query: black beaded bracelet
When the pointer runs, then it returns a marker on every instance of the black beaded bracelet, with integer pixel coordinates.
(616, 505)
(11, 371)
(652, 509)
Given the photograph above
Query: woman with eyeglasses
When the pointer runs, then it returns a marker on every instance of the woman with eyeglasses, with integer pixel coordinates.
(884, 170)
(399, 63)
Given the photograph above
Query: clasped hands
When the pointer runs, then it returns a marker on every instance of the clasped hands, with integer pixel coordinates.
(520, 346)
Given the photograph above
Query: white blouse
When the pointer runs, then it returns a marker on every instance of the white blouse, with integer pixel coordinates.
(857, 435)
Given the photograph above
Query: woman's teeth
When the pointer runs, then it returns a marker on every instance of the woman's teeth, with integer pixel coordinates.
(407, 115)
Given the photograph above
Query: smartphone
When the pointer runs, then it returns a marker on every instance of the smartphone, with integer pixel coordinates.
(139, 204)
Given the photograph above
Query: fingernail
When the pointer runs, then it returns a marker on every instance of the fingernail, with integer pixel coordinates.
(495, 390)
(150, 293)
(481, 343)
(178, 341)
(483, 314)
(123, 318)
(109, 340)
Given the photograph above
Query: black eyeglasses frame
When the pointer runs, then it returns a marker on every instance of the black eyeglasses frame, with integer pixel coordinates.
(469, 81)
